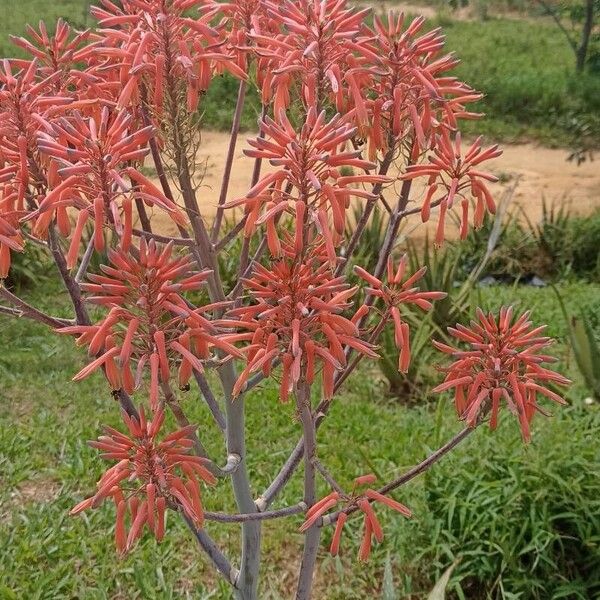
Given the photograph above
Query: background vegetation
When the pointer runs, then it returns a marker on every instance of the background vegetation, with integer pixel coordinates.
(525, 68)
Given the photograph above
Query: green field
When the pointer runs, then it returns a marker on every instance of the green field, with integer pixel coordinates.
(517, 518)
(525, 69)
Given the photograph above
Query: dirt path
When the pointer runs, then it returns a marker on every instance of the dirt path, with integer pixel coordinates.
(541, 172)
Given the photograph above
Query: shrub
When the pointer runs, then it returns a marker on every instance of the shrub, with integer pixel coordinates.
(584, 233)
(537, 514)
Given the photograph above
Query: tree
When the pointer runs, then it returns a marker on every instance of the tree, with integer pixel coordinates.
(586, 16)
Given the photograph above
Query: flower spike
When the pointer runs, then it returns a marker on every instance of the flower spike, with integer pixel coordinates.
(149, 477)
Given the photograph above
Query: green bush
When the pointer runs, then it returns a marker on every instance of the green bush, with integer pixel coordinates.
(512, 258)
(584, 233)
(526, 71)
(29, 268)
(557, 245)
(523, 523)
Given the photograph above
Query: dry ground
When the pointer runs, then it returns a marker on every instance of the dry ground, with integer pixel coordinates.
(538, 172)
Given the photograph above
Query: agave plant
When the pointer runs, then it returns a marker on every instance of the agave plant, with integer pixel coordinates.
(584, 345)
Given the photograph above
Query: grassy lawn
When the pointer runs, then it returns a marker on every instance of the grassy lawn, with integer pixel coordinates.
(525, 69)
(512, 515)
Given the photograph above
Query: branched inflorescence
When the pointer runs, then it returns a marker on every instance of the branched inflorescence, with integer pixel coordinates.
(349, 113)
(397, 291)
(360, 499)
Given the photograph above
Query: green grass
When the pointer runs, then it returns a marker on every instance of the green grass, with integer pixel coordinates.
(15, 15)
(524, 68)
(526, 71)
(492, 503)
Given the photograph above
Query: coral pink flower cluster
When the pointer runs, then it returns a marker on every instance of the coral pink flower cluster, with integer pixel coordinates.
(91, 158)
(22, 98)
(161, 50)
(399, 290)
(503, 362)
(149, 477)
(363, 500)
(412, 96)
(308, 182)
(296, 318)
(452, 173)
(149, 324)
(317, 47)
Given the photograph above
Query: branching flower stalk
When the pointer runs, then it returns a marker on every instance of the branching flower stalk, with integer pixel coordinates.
(349, 113)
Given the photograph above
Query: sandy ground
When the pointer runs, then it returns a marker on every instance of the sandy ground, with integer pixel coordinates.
(538, 173)
(471, 12)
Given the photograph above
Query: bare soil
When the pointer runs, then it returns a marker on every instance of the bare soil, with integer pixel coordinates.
(539, 173)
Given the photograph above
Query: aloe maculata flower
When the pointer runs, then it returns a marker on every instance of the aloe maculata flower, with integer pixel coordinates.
(317, 48)
(363, 500)
(456, 177)
(406, 94)
(308, 182)
(150, 476)
(503, 363)
(23, 98)
(91, 158)
(58, 53)
(295, 316)
(149, 324)
(397, 290)
(168, 48)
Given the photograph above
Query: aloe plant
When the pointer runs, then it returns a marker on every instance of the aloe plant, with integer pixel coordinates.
(585, 347)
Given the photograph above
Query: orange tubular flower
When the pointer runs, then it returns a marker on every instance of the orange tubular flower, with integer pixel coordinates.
(241, 18)
(296, 318)
(10, 236)
(308, 182)
(169, 47)
(408, 96)
(60, 53)
(91, 158)
(149, 477)
(149, 324)
(372, 526)
(24, 98)
(458, 177)
(504, 362)
(318, 48)
(399, 290)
